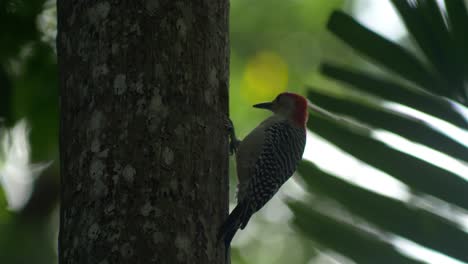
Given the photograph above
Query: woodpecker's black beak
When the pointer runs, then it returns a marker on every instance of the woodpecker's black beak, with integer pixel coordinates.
(264, 105)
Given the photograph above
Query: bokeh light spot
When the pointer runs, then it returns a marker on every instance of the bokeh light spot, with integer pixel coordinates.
(265, 76)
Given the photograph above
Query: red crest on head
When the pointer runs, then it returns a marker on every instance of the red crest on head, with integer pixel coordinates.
(301, 115)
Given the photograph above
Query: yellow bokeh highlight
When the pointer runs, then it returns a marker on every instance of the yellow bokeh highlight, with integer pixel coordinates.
(265, 76)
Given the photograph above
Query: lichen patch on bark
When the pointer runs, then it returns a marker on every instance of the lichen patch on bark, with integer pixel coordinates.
(120, 84)
(129, 174)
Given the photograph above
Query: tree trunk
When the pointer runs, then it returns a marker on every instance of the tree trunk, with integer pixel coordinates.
(143, 92)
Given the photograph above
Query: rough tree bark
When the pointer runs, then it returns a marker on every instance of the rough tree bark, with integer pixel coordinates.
(143, 91)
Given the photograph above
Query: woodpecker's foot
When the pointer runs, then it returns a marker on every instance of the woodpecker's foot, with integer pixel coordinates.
(234, 142)
(233, 145)
(228, 124)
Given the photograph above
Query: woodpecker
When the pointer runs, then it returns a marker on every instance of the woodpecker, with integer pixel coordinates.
(266, 158)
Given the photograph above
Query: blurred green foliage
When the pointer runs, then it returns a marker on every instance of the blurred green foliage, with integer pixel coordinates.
(279, 45)
(28, 89)
(434, 82)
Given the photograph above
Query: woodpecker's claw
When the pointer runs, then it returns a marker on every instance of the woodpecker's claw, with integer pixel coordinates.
(233, 145)
(234, 142)
(228, 124)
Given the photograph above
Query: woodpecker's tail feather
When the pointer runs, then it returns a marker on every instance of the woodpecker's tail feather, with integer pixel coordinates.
(236, 219)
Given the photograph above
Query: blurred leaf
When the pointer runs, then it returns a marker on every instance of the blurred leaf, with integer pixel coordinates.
(414, 25)
(36, 99)
(4, 213)
(252, 29)
(416, 173)
(402, 125)
(396, 92)
(26, 242)
(382, 51)
(348, 240)
(44, 198)
(3, 202)
(18, 20)
(440, 78)
(458, 23)
(391, 215)
(448, 64)
(425, 22)
(5, 97)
